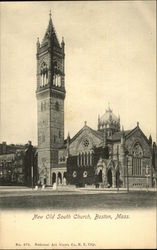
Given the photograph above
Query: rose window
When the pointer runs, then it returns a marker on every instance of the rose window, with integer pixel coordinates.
(74, 174)
(85, 174)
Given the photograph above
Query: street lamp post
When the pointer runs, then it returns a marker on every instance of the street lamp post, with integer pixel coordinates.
(117, 168)
(32, 175)
(127, 175)
(30, 152)
(147, 175)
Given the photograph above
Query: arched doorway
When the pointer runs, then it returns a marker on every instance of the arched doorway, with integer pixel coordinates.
(44, 181)
(100, 176)
(109, 177)
(53, 178)
(64, 178)
(59, 178)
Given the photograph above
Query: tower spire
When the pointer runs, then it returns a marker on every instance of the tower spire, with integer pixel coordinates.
(50, 33)
(50, 14)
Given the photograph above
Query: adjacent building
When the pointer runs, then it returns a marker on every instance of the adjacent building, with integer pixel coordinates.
(18, 164)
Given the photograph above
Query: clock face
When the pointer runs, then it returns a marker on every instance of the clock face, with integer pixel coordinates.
(85, 142)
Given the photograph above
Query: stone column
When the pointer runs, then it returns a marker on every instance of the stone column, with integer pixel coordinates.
(104, 176)
(56, 178)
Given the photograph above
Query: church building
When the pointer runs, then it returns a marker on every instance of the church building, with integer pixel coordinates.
(108, 156)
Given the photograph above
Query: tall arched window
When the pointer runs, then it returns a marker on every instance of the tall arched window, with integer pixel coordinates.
(57, 75)
(137, 153)
(44, 74)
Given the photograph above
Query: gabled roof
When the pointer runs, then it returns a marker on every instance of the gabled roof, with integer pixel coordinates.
(134, 130)
(96, 133)
(116, 136)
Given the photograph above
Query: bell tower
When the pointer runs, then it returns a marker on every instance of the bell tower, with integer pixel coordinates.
(50, 94)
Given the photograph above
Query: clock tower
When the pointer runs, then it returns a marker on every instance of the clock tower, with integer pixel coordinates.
(50, 95)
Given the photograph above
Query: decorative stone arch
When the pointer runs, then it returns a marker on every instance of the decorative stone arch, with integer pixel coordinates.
(100, 171)
(64, 181)
(137, 142)
(118, 174)
(54, 178)
(59, 178)
(111, 174)
(137, 153)
(111, 165)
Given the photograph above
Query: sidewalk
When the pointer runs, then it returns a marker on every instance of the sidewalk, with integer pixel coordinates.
(69, 188)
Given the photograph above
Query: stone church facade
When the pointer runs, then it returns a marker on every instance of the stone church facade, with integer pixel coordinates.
(108, 156)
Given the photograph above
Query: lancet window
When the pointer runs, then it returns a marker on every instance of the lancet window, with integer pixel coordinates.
(43, 74)
(84, 159)
(137, 159)
(57, 75)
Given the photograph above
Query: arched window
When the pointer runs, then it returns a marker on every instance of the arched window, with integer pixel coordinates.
(137, 153)
(57, 106)
(85, 174)
(44, 74)
(74, 174)
(56, 75)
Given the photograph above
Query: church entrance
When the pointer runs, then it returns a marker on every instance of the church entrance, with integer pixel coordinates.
(53, 178)
(109, 177)
(59, 178)
(100, 176)
(44, 181)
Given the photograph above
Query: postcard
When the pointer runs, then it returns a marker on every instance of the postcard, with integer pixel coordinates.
(78, 154)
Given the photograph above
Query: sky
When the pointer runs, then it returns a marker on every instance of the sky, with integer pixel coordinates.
(110, 58)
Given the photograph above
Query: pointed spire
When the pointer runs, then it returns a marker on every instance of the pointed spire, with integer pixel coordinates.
(109, 109)
(68, 137)
(63, 40)
(50, 32)
(68, 143)
(150, 140)
(62, 44)
(50, 14)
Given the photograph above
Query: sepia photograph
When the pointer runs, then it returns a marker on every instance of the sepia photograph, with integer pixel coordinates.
(78, 152)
